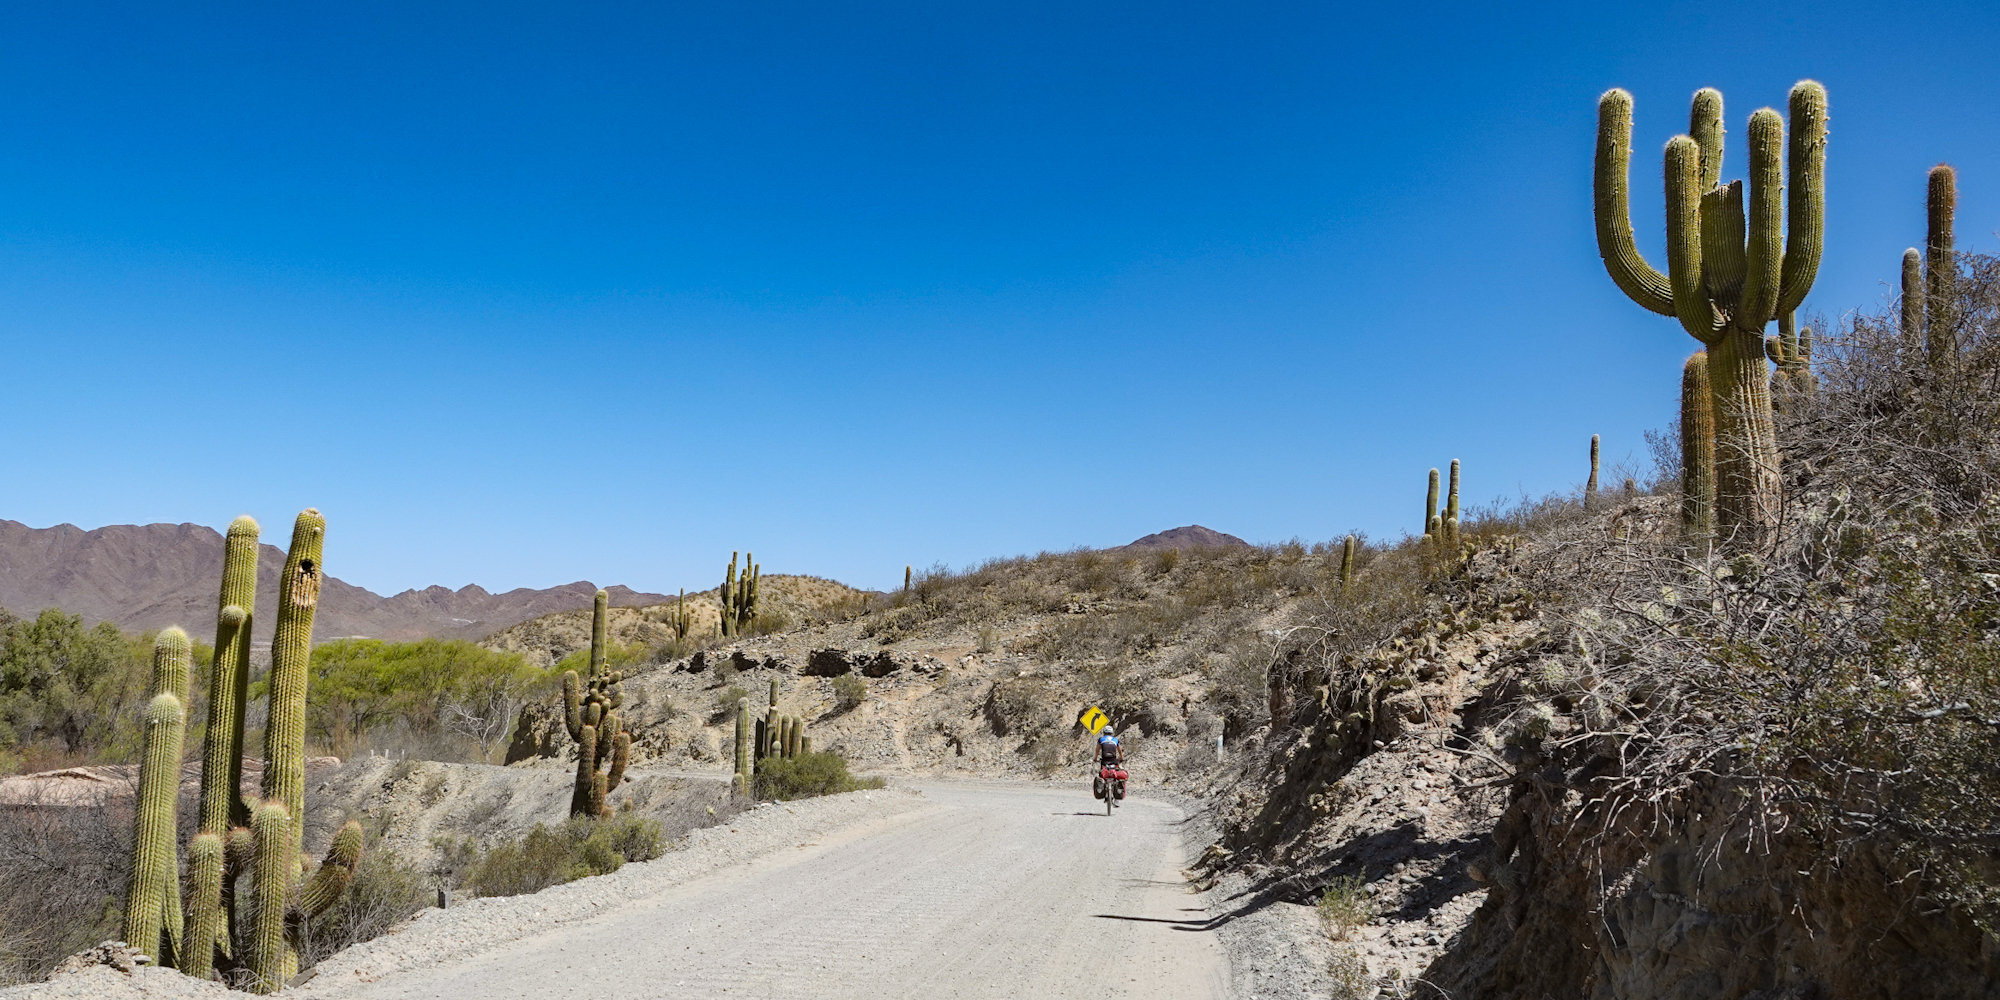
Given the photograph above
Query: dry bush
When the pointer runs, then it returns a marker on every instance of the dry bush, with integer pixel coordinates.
(1838, 681)
(63, 871)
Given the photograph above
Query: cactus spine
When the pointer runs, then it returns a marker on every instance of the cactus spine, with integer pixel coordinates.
(1347, 563)
(1697, 448)
(1728, 273)
(1590, 486)
(152, 899)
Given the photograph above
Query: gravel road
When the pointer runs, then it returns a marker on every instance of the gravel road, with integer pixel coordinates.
(992, 890)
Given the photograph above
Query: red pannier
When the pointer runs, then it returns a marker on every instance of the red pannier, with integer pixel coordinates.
(1113, 777)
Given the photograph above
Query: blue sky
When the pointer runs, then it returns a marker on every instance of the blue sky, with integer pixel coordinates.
(520, 295)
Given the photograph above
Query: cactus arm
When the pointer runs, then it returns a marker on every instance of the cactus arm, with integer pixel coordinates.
(222, 802)
(291, 655)
(586, 772)
(207, 930)
(1705, 128)
(153, 863)
(1722, 256)
(271, 877)
(600, 610)
(1765, 254)
(621, 755)
(1684, 239)
(330, 879)
(1805, 199)
(1610, 185)
(1697, 447)
(572, 694)
(1431, 503)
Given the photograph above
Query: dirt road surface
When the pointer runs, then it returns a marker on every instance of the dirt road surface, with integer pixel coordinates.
(997, 891)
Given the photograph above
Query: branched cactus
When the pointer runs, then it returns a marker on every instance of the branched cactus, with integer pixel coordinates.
(1733, 265)
(1697, 448)
(232, 838)
(678, 618)
(739, 595)
(589, 713)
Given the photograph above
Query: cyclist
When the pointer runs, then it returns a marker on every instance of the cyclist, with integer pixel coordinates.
(1111, 754)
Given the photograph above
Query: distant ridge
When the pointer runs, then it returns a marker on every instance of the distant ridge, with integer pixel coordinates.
(154, 575)
(1192, 536)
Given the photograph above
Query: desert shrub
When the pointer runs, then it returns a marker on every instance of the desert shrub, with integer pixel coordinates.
(1020, 705)
(70, 694)
(1050, 751)
(383, 893)
(1348, 973)
(436, 696)
(725, 701)
(1343, 907)
(63, 871)
(547, 856)
(808, 774)
(849, 691)
(768, 622)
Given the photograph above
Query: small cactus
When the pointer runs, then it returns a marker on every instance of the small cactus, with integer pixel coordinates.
(743, 786)
(1347, 563)
(678, 618)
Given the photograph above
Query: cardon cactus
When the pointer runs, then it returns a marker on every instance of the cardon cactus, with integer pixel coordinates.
(1733, 265)
(268, 848)
(1590, 485)
(1347, 563)
(1697, 448)
(1432, 526)
(1791, 350)
(1940, 267)
(603, 747)
(739, 595)
(1913, 298)
(678, 618)
(600, 613)
(152, 898)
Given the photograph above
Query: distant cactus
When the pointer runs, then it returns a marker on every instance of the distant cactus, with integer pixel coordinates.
(678, 618)
(1347, 563)
(1913, 298)
(1432, 525)
(1791, 350)
(1725, 287)
(906, 579)
(1450, 520)
(739, 595)
(589, 713)
(1697, 448)
(1590, 487)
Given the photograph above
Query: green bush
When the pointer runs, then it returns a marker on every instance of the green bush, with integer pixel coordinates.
(440, 690)
(548, 856)
(726, 699)
(849, 691)
(71, 694)
(807, 775)
(1343, 907)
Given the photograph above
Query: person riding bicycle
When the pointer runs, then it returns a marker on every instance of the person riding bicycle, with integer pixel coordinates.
(1111, 755)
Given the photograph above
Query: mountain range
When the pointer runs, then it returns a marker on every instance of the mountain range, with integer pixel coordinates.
(154, 575)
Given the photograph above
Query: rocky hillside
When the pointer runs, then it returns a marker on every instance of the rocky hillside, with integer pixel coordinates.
(154, 575)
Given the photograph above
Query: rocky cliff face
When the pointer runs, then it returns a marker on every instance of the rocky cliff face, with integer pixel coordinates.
(154, 575)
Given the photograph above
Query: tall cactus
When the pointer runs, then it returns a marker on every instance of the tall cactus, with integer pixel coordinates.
(1347, 563)
(678, 618)
(1590, 485)
(152, 898)
(291, 656)
(1728, 273)
(1432, 525)
(222, 804)
(1697, 448)
(603, 747)
(1450, 520)
(743, 786)
(1940, 266)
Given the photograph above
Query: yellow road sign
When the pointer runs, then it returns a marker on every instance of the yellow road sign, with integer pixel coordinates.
(1093, 719)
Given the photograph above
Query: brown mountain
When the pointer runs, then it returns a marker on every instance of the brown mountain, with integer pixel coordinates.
(1192, 536)
(154, 575)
